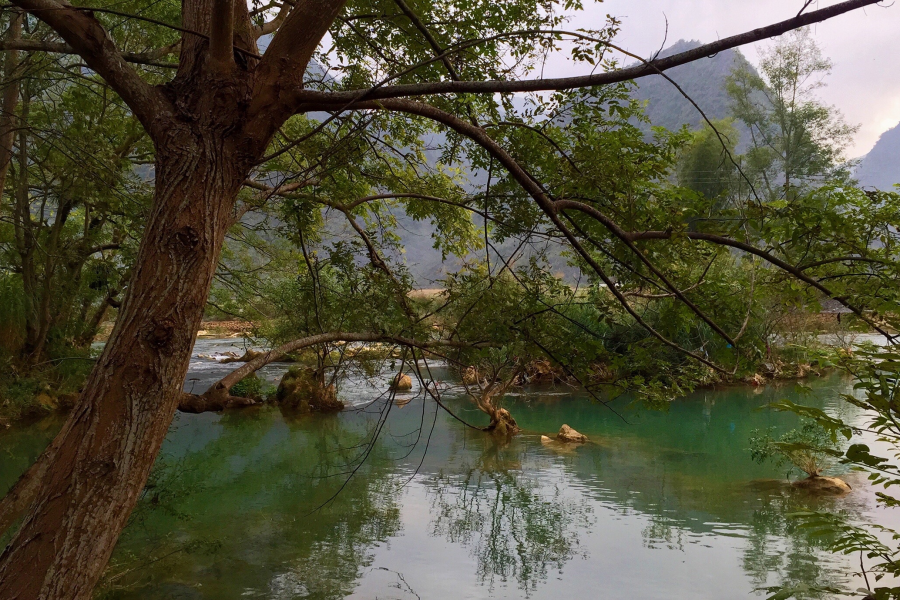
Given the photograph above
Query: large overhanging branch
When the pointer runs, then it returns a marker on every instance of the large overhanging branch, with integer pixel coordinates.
(648, 68)
(775, 261)
(797, 272)
(553, 208)
(287, 57)
(151, 58)
(84, 33)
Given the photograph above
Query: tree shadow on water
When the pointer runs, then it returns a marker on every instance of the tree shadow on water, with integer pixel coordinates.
(515, 524)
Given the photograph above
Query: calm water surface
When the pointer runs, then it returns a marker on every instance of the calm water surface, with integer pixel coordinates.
(256, 504)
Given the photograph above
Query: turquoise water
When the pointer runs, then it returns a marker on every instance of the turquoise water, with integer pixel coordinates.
(391, 501)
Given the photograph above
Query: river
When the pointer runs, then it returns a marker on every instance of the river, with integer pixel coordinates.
(660, 505)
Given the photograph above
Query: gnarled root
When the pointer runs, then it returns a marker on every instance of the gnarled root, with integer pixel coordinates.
(502, 423)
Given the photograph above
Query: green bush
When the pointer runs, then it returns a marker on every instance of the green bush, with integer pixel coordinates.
(252, 387)
(807, 448)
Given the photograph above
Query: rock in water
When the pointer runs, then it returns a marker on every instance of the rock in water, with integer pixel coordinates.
(823, 485)
(303, 390)
(401, 383)
(569, 435)
(559, 447)
(249, 355)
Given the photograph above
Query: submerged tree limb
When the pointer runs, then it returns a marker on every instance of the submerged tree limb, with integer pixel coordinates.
(218, 394)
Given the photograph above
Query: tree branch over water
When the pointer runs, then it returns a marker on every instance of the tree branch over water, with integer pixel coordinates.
(218, 397)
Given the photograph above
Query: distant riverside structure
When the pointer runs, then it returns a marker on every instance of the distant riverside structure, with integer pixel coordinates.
(830, 306)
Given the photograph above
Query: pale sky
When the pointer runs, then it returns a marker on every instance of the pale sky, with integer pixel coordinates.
(864, 46)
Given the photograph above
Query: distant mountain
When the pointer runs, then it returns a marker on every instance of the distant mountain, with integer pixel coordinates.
(702, 80)
(880, 168)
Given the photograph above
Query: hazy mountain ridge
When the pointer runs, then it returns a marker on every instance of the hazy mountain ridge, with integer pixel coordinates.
(880, 168)
(702, 80)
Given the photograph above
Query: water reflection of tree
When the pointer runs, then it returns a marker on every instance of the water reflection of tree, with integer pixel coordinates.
(237, 514)
(780, 552)
(662, 530)
(513, 527)
(341, 545)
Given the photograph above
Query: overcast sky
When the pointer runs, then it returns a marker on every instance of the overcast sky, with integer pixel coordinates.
(864, 46)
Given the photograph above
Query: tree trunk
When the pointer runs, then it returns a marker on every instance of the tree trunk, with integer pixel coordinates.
(44, 315)
(109, 443)
(91, 326)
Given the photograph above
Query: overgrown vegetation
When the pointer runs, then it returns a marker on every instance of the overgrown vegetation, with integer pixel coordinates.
(807, 448)
(281, 177)
(877, 391)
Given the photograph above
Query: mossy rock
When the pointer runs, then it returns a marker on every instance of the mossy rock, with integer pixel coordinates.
(301, 389)
(570, 436)
(250, 387)
(401, 383)
(825, 486)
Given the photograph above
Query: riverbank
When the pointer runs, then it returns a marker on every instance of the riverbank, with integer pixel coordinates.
(210, 329)
(55, 386)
